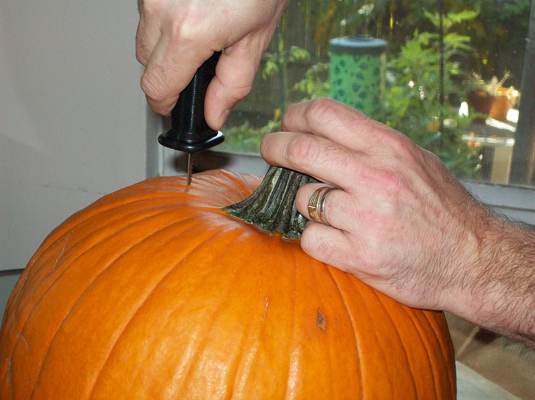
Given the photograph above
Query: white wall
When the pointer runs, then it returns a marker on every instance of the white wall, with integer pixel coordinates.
(73, 118)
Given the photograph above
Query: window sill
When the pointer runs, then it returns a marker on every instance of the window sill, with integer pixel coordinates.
(515, 202)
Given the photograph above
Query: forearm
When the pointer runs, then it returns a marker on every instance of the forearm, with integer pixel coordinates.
(502, 291)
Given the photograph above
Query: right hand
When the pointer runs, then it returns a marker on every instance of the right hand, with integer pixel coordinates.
(174, 37)
(401, 223)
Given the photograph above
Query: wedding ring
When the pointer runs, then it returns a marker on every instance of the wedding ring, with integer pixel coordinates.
(316, 205)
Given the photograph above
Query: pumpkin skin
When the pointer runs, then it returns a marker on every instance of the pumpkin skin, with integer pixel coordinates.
(153, 292)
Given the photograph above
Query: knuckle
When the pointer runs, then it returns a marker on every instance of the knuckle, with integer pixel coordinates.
(401, 147)
(152, 84)
(237, 93)
(391, 182)
(150, 9)
(302, 149)
(321, 110)
(189, 27)
(142, 55)
(324, 249)
(337, 156)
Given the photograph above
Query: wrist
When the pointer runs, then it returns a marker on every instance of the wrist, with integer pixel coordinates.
(500, 292)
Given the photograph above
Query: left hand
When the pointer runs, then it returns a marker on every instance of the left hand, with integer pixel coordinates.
(398, 220)
(174, 37)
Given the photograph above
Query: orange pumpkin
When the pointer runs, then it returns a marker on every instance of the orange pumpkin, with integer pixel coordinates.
(154, 292)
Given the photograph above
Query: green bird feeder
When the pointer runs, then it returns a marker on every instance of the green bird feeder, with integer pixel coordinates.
(356, 74)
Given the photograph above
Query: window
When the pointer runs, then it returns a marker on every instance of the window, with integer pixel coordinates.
(430, 84)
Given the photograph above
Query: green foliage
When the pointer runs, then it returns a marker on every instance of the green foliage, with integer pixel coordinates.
(277, 61)
(412, 98)
(245, 138)
(451, 18)
(313, 85)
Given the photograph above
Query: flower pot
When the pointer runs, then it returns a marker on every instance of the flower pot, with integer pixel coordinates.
(480, 102)
(504, 101)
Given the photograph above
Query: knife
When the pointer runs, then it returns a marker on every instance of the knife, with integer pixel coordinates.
(189, 131)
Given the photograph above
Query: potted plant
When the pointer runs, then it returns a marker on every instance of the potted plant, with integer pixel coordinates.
(506, 98)
(481, 94)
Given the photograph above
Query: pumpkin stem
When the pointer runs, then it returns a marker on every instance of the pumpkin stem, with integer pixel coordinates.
(272, 206)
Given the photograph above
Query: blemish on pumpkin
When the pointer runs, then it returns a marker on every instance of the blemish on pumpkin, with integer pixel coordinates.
(65, 242)
(266, 305)
(21, 336)
(321, 321)
(9, 376)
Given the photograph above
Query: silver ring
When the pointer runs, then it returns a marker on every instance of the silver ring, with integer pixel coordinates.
(316, 205)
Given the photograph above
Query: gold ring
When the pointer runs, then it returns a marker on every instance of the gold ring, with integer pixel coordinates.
(316, 205)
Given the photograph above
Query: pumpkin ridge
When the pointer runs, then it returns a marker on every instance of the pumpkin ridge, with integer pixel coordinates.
(363, 303)
(321, 298)
(251, 187)
(117, 200)
(400, 338)
(71, 222)
(241, 185)
(223, 299)
(238, 191)
(45, 252)
(15, 294)
(291, 342)
(439, 357)
(432, 322)
(449, 345)
(416, 325)
(156, 285)
(425, 342)
(246, 363)
(105, 204)
(351, 318)
(89, 285)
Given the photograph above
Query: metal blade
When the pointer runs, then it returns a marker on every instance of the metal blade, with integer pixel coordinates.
(190, 167)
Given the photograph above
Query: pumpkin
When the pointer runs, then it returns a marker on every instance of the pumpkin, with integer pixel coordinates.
(155, 292)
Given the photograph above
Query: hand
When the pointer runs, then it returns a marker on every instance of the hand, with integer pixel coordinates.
(398, 220)
(175, 37)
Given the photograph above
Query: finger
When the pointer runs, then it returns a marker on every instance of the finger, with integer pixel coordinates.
(169, 71)
(319, 157)
(326, 244)
(339, 207)
(147, 36)
(235, 74)
(333, 120)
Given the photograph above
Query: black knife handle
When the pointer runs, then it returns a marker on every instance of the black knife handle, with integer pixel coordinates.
(189, 131)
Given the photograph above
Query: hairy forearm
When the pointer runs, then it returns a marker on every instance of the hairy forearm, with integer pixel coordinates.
(503, 288)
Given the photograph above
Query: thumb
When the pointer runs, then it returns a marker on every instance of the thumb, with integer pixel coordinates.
(235, 74)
